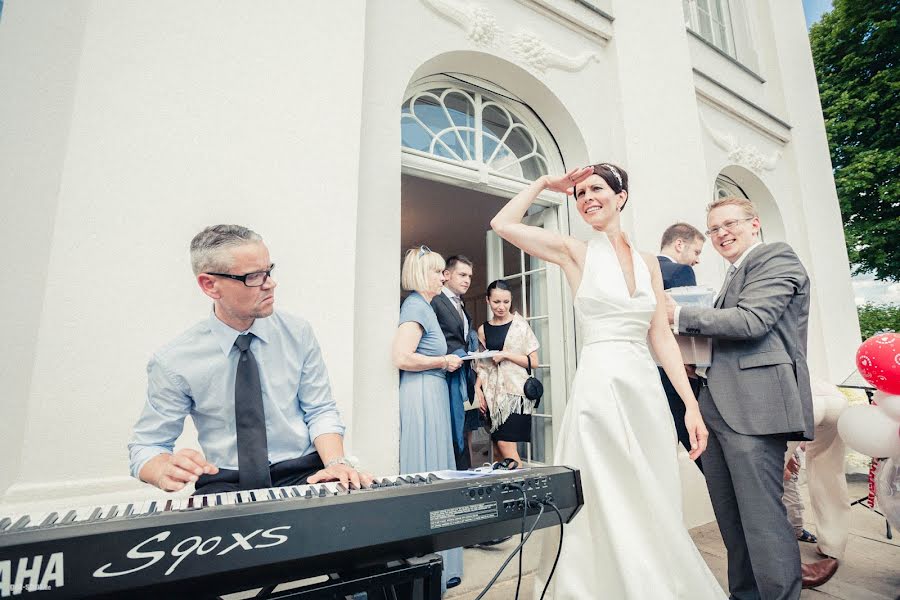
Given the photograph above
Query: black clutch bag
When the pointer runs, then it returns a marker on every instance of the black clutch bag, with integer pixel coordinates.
(533, 388)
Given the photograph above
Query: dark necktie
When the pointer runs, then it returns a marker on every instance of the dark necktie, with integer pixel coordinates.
(250, 420)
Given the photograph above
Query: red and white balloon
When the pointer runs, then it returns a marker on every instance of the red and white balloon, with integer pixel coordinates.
(878, 361)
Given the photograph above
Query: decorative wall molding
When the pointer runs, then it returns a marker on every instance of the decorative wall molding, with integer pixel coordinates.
(745, 155)
(533, 52)
(525, 47)
(477, 21)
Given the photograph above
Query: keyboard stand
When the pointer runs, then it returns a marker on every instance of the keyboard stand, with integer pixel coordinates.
(410, 579)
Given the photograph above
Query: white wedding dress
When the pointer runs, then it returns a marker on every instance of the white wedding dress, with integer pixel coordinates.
(628, 541)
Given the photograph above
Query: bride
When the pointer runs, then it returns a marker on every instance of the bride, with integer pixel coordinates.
(628, 541)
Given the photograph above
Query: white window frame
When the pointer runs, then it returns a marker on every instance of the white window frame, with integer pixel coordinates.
(478, 167)
(692, 19)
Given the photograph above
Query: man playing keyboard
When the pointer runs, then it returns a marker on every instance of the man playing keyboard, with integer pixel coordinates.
(251, 378)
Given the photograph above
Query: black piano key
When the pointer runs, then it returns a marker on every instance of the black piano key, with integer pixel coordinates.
(272, 494)
(420, 479)
(128, 510)
(408, 478)
(218, 499)
(112, 512)
(70, 516)
(50, 520)
(20, 523)
(432, 478)
(295, 491)
(308, 493)
(284, 493)
(387, 482)
(323, 491)
(152, 507)
(95, 514)
(5, 522)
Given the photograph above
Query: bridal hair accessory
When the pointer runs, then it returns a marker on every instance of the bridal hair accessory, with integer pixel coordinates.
(614, 171)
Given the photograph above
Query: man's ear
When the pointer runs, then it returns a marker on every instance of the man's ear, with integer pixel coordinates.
(209, 285)
(678, 245)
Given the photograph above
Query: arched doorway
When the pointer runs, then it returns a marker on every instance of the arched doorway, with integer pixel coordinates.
(466, 149)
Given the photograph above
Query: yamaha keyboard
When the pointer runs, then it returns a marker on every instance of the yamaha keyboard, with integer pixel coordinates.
(221, 543)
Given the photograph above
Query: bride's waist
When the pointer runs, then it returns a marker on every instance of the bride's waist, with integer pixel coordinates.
(613, 330)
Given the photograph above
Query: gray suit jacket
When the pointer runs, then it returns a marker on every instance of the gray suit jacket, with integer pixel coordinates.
(759, 379)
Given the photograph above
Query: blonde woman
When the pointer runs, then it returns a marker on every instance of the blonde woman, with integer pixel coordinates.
(501, 379)
(420, 352)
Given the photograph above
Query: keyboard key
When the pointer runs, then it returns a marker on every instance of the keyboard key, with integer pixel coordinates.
(20, 523)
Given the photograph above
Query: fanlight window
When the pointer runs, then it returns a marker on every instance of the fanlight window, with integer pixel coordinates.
(470, 128)
(728, 187)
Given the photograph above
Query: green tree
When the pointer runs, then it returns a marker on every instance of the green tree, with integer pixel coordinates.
(856, 50)
(878, 317)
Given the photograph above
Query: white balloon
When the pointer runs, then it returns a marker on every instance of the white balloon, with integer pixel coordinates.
(869, 431)
(889, 405)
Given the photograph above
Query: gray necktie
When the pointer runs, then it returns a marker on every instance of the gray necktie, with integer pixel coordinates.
(728, 277)
(250, 420)
(457, 302)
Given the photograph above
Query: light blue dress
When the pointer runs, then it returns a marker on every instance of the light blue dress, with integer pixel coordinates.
(426, 442)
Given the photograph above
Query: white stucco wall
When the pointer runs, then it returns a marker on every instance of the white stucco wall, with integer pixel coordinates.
(184, 115)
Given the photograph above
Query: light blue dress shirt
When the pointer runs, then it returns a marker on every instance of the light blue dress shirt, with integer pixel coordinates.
(194, 375)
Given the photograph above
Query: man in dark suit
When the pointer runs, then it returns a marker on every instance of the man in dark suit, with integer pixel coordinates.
(456, 323)
(679, 251)
(755, 397)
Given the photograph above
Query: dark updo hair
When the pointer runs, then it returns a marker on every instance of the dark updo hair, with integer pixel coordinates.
(499, 284)
(608, 172)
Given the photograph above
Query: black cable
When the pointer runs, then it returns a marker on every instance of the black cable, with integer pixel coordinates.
(558, 549)
(512, 554)
(521, 538)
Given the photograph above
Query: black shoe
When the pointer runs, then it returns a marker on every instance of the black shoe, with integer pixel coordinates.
(453, 582)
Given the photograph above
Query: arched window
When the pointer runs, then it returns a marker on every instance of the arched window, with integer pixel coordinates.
(728, 187)
(474, 128)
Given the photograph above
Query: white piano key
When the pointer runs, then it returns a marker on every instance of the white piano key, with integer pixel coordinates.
(35, 520)
(144, 508)
(230, 498)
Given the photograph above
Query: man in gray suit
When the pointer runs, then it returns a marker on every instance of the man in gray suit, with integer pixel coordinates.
(754, 398)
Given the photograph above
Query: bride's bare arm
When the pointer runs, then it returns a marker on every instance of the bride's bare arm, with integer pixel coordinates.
(551, 246)
(662, 340)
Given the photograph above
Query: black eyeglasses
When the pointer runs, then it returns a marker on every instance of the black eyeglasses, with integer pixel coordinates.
(250, 279)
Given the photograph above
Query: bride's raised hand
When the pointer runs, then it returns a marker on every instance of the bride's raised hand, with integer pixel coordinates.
(697, 431)
(566, 183)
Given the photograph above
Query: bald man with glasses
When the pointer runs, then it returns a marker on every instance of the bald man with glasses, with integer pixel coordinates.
(252, 379)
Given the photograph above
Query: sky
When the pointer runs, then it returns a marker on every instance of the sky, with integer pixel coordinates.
(813, 9)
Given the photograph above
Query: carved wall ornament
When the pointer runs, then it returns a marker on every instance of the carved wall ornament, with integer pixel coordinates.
(532, 51)
(477, 21)
(746, 155)
(526, 47)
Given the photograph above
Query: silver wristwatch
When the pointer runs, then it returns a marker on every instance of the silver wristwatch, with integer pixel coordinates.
(350, 461)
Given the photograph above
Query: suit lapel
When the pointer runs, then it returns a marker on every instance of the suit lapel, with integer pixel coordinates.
(448, 305)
